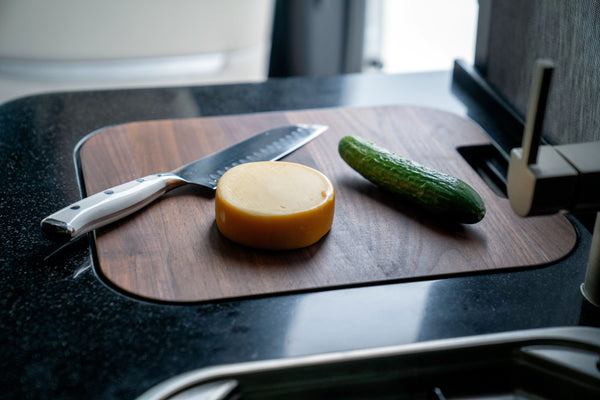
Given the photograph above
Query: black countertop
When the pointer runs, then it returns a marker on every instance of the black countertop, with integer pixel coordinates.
(64, 334)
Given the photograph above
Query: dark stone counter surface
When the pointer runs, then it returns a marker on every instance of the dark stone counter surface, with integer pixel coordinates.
(64, 334)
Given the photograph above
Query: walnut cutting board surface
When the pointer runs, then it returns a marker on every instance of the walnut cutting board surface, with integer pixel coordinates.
(172, 250)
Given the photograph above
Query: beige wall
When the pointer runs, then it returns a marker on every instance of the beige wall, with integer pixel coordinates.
(73, 44)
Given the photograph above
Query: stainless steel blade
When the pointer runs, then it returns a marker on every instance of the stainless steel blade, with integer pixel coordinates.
(267, 146)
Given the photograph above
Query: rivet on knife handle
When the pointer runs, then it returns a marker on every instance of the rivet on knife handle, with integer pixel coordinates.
(107, 206)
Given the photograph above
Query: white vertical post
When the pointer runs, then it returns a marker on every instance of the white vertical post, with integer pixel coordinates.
(591, 286)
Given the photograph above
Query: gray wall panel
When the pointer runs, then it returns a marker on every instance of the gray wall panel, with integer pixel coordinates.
(566, 31)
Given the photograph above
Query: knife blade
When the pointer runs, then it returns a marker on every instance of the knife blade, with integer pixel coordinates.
(112, 204)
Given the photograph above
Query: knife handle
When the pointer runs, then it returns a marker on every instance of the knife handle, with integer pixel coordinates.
(107, 206)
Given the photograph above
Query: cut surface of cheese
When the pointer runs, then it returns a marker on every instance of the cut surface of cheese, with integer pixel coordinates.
(274, 205)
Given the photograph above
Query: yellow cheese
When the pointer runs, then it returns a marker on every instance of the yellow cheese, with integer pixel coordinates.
(274, 205)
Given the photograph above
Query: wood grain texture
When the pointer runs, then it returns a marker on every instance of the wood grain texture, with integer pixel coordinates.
(173, 252)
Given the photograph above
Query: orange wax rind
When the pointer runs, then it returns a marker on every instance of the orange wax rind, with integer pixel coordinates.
(274, 205)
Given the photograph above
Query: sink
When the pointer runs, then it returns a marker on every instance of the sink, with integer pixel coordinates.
(550, 363)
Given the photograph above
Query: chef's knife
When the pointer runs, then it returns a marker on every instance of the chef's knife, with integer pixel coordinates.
(117, 202)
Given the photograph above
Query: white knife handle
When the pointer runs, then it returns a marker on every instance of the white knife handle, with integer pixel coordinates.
(107, 206)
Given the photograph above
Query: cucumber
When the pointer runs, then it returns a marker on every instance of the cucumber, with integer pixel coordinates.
(430, 190)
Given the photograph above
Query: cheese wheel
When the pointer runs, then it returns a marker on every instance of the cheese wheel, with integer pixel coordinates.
(274, 205)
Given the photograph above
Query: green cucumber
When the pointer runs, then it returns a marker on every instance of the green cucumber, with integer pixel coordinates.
(433, 191)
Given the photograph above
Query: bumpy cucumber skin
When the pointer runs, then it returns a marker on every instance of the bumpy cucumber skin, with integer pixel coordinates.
(430, 190)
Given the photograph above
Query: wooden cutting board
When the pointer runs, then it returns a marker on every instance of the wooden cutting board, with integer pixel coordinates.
(172, 251)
